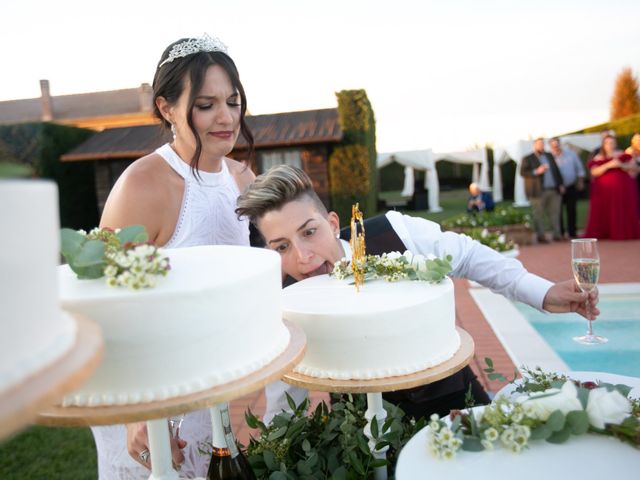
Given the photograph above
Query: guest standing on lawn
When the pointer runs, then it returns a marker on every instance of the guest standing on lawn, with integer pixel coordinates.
(613, 202)
(544, 187)
(573, 174)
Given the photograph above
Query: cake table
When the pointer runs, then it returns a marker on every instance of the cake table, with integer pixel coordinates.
(157, 412)
(20, 404)
(375, 387)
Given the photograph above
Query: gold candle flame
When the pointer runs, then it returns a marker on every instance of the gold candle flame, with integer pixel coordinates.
(358, 247)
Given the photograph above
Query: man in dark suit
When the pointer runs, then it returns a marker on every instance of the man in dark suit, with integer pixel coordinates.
(544, 187)
(295, 223)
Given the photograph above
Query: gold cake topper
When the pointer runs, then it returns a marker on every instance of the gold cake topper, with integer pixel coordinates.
(358, 247)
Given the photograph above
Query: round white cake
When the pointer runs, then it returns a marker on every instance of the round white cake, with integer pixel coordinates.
(214, 318)
(34, 332)
(385, 329)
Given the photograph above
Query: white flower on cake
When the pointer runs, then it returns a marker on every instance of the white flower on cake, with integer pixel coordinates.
(394, 266)
(121, 255)
(541, 405)
(606, 406)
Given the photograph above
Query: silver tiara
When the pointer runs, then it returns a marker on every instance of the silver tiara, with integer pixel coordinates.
(205, 43)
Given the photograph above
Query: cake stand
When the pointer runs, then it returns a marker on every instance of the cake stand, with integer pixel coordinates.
(375, 387)
(20, 404)
(157, 412)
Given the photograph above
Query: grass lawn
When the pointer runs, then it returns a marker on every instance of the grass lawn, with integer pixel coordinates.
(49, 453)
(69, 453)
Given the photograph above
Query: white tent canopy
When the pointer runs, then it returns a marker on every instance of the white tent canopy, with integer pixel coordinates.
(425, 160)
(516, 151)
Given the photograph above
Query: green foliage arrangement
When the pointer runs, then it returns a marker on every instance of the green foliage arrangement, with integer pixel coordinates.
(329, 443)
(395, 266)
(546, 406)
(352, 165)
(501, 216)
(123, 256)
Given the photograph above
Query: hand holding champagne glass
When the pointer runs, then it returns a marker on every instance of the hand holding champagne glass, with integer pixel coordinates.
(585, 263)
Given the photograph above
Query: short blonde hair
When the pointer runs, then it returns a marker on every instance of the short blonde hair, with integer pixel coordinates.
(274, 189)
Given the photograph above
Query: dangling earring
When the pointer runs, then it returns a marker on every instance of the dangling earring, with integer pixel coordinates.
(173, 131)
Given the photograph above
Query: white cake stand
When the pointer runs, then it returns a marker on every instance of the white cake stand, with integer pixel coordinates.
(374, 388)
(157, 412)
(20, 404)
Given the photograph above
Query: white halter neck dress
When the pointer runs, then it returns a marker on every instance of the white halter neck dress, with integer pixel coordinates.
(206, 217)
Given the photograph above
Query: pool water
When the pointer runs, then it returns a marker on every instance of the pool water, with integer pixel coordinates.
(619, 321)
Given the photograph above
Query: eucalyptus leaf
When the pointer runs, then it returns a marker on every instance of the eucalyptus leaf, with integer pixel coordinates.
(556, 421)
(541, 432)
(583, 396)
(132, 234)
(70, 243)
(472, 444)
(91, 253)
(270, 460)
(277, 433)
(560, 436)
(578, 422)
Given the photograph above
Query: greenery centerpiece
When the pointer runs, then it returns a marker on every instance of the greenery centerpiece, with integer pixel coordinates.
(396, 266)
(544, 406)
(328, 443)
(123, 256)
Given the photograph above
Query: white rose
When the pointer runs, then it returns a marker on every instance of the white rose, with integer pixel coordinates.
(419, 262)
(542, 405)
(485, 233)
(394, 255)
(607, 407)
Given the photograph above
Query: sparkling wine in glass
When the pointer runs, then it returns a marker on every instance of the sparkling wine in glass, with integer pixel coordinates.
(585, 263)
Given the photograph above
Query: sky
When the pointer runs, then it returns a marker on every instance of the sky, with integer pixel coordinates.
(447, 75)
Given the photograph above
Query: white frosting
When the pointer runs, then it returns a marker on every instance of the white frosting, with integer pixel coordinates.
(386, 329)
(214, 318)
(34, 332)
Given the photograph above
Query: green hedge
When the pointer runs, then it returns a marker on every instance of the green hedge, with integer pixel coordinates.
(352, 165)
(40, 146)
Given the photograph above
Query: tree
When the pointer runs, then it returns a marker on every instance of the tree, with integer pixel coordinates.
(626, 99)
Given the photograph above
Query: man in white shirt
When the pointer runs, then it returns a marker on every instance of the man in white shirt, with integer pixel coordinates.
(293, 222)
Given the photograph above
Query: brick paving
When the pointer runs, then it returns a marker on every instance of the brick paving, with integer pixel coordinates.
(620, 262)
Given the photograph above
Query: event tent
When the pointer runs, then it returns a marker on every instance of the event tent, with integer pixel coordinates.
(516, 151)
(425, 160)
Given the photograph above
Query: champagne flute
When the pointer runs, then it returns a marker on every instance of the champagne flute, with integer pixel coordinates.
(585, 263)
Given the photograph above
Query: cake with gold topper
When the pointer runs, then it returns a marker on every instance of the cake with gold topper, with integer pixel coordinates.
(399, 319)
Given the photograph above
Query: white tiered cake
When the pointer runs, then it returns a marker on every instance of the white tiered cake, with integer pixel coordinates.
(34, 331)
(386, 329)
(214, 318)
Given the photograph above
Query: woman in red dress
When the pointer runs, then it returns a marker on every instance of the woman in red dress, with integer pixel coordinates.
(613, 203)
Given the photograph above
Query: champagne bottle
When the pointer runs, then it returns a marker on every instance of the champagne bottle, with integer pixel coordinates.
(227, 461)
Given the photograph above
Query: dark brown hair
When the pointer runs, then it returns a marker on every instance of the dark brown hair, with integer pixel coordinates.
(169, 82)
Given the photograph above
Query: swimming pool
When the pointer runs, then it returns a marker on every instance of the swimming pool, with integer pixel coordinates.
(534, 339)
